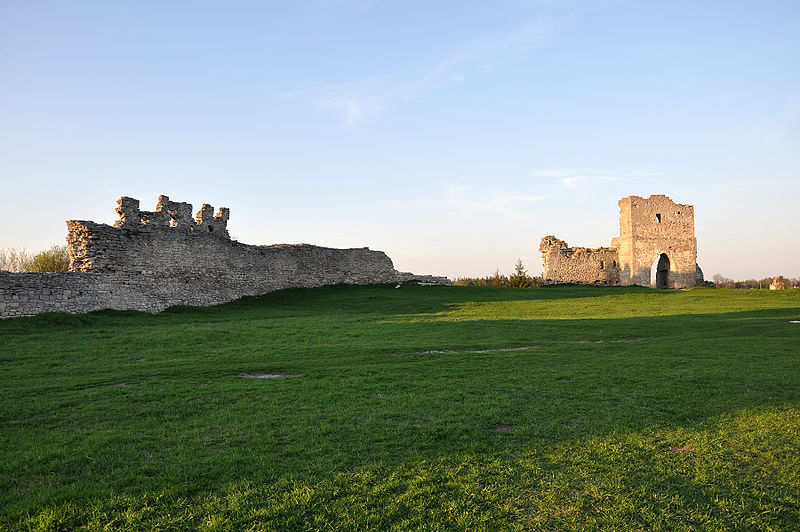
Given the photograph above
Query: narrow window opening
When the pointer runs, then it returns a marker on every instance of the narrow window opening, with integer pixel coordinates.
(601, 264)
(658, 218)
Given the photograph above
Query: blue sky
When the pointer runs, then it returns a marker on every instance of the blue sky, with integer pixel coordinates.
(452, 135)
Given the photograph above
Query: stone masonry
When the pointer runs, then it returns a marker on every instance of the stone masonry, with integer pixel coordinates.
(563, 264)
(651, 229)
(150, 261)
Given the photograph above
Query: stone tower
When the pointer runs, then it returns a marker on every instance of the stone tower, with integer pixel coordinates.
(656, 229)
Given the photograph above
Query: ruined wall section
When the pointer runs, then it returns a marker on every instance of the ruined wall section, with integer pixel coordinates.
(150, 261)
(564, 264)
(153, 268)
(26, 294)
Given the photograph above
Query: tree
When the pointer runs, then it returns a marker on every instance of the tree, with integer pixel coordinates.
(722, 282)
(497, 279)
(520, 278)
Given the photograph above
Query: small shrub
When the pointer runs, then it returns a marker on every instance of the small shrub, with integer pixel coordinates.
(12, 260)
(53, 259)
(497, 279)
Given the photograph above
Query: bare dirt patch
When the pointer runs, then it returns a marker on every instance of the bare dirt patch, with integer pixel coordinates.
(479, 351)
(682, 450)
(618, 341)
(269, 375)
(502, 428)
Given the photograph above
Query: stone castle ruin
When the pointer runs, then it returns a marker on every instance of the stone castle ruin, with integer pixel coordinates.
(650, 229)
(152, 260)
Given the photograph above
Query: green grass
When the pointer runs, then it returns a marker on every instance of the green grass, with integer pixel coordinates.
(628, 407)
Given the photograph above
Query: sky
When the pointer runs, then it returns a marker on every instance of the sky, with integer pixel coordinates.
(451, 135)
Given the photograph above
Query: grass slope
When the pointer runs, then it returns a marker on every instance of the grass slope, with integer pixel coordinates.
(417, 407)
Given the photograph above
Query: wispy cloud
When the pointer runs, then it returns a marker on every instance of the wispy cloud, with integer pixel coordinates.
(352, 110)
(579, 178)
(470, 200)
(483, 56)
(363, 100)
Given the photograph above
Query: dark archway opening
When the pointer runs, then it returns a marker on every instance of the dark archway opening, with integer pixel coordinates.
(661, 265)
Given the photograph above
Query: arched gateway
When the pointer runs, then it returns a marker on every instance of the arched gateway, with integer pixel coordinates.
(650, 229)
(661, 266)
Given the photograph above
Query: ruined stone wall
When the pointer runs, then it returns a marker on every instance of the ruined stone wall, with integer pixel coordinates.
(26, 294)
(153, 260)
(564, 264)
(649, 229)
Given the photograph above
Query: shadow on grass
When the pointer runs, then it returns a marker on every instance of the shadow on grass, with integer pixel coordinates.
(371, 394)
(305, 301)
(742, 473)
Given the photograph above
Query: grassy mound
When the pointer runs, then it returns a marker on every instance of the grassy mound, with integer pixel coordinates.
(417, 407)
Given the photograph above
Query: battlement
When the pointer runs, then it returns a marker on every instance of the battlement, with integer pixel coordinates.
(172, 214)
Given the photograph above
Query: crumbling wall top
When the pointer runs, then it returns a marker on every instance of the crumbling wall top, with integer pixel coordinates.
(550, 241)
(172, 214)
(550, 244)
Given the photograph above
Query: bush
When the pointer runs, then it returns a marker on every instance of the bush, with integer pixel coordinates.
(53, 259)
(12, 260)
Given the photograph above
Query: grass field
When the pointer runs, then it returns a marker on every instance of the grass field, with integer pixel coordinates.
(409, 408)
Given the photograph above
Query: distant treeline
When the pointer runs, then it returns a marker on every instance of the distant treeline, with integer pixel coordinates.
(780, 281)
(521, 279)
(518, 279)
(53, 259)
